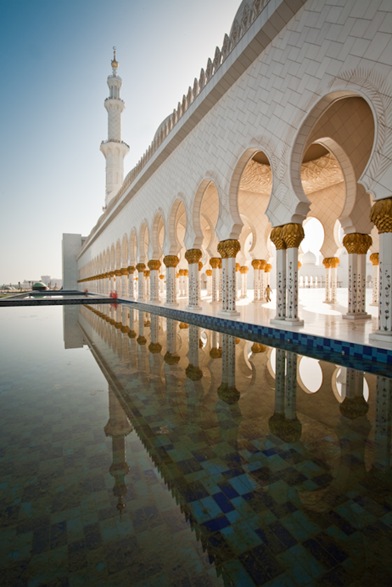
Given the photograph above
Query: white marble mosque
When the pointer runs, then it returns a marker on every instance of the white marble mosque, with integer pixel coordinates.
(288, 123)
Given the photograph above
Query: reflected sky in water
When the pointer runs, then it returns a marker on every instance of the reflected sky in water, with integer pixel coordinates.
(139, 450)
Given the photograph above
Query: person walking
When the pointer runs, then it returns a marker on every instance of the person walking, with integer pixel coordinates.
(268, 292)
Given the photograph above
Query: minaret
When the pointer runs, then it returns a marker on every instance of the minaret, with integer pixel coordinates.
(114, 149)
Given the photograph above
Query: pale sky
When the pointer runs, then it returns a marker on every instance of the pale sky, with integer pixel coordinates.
(56, 58)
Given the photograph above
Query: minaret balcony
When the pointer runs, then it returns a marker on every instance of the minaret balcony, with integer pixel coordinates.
(114, 141)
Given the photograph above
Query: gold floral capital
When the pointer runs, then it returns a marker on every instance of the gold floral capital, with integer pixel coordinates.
(334, 262)
(267, 268)
(193, 372)
(257, 347)
(381, 215)
(193, 255)
(374, 258)
(292, 235)
(208, 272)
(154, 265)
(229, 248)
(155, 347)
(277, 238)
(327, 262)
(131, 269)
(140, 267)
(244, 269)
(171, 260)
(216, 262)
(357, 243)
(256, 264)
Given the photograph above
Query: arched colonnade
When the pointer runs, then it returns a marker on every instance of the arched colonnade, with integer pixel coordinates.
(230, 238)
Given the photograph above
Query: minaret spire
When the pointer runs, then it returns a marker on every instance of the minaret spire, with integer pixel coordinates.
(114, 149)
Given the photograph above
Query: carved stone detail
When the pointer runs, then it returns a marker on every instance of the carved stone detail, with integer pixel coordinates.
(171, 260)
(229, 248)
(381, 215)
(154, 265)
(292, 235)
(356, 243)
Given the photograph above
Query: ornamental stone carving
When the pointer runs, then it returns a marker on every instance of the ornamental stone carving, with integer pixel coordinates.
(171, 260)
(244, 269)
(256, 264)
(154, 265)
(267, 268)
(131, 269)
(277, 238)
(208, 272)
(229, 248)
(140, 267)
(193, 255)
(216, 262)
(292, 235)
(356, 243)
(381, 215)
(327, 262)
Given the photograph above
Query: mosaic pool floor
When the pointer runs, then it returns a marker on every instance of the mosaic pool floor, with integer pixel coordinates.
(141, 451)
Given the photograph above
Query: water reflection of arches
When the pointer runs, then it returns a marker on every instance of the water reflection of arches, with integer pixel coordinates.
(241, 456)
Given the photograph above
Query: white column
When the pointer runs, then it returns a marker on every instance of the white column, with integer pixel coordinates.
(385, 293)
(140, 267)
(216, 264)
(374, 258)
(131, 282)
(280, 285)
(244, 281)
(154, 266)
(327, 265)
(193, 257)
(171, 262)
(228, 250)
(334, 279)
(292, 235)
(357, 246)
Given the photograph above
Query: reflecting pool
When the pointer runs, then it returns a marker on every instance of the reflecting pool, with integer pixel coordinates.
(137, 450)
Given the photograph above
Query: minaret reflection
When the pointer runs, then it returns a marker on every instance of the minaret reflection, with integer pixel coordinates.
(118, 427)
(284, 422)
